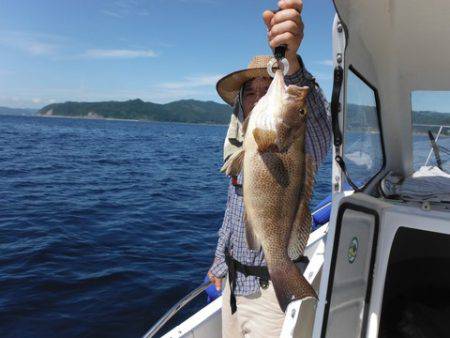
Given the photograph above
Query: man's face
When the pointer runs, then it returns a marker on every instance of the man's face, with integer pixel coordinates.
(254, 90)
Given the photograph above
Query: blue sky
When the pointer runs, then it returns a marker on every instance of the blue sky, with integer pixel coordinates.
(156, 50)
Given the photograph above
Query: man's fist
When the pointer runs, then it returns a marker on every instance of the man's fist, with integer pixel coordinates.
(286, 28)
(216, 281)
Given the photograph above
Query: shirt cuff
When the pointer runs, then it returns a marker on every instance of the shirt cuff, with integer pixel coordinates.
(219, 268)
(301, 77)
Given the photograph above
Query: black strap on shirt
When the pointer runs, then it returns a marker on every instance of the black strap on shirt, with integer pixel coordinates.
(257, 271)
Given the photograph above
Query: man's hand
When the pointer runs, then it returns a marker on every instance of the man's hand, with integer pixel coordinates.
(216, 281)
(286, 28)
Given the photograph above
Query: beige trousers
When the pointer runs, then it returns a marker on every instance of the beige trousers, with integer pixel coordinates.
(257, 315)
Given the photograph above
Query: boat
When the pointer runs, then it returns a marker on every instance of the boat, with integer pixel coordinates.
(380, 265)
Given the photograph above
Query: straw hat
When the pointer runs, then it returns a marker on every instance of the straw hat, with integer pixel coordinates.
(228, 87)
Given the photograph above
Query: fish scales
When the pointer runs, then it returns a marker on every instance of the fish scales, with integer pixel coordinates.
(277, 187)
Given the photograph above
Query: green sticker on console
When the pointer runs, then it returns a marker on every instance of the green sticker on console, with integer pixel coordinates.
(352, 250)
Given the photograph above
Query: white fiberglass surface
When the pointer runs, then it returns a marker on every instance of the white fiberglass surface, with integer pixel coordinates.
(351, 275)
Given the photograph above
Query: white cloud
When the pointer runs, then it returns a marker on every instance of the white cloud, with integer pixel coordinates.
(37, 98)
(57, 47)
(112, 13)
(34, 44)
(323, 76)
(190, 82)
(123, 8)
(325, 62)
(200, 87)
(211, 2)
(118, 54)
(196, 86)
(39, 48)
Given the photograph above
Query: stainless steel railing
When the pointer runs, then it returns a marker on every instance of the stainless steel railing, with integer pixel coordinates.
(174, 309)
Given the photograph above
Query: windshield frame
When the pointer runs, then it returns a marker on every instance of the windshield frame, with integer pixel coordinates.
(361, 77)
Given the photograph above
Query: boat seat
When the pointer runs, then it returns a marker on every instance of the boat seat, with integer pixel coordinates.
(427, 184)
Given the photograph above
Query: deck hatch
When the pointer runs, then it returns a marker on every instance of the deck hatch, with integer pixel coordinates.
(350, 281)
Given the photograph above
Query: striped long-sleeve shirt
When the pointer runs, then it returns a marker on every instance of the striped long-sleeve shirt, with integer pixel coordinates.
(232, 233)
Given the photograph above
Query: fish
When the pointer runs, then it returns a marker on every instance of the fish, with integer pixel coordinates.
(278, 178)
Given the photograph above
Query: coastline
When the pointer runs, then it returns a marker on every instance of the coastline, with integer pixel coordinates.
(116, 119)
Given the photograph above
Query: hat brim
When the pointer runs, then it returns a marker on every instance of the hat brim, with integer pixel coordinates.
(228, 87)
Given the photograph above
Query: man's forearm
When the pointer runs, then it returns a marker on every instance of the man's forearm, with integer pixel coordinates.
(219, 268)
(301, 77)
(294, 66)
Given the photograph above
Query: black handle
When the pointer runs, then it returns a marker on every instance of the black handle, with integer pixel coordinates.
(335, 106)
(280, 51)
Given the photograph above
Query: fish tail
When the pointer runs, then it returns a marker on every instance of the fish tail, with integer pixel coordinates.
(290, 284)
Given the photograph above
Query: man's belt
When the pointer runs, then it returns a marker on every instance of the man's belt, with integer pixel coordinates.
(248, 270)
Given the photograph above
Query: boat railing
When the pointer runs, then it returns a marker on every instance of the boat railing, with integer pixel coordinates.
(175, 309)
(435, 140)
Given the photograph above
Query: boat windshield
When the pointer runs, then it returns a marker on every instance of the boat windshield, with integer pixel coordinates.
(431, 129)
(363, 150)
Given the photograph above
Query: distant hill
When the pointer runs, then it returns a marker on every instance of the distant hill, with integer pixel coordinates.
(17, 111)
(194, 111)
(431, 117)
(191, 111)
(365, 117)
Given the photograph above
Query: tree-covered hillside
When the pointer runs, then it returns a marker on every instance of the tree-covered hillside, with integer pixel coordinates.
(191, 111)
(365, 118)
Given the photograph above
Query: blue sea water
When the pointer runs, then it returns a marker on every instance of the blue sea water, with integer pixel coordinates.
(106, 224)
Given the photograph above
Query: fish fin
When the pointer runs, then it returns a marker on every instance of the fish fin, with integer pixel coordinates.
(265, 139)
(290, 284)
(302, 223)
(308, 183)
(233, 165)
(300, 231)
(253, 242)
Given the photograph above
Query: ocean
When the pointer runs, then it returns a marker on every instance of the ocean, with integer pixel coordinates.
(106, 224)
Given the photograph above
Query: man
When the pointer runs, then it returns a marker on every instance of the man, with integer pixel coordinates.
(255, 312)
